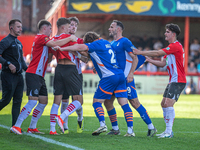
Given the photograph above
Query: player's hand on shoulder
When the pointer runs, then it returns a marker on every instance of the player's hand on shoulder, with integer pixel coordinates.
(135, 51)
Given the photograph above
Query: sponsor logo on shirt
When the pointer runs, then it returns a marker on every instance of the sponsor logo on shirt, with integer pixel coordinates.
(118, 43)
(167, 48)
(115, 66)
(108, 46)
(132, 47)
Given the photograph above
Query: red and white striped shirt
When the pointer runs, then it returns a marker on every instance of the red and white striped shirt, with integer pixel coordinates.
(77, 60)
(63, 54)
(39, 55)
(175, 62)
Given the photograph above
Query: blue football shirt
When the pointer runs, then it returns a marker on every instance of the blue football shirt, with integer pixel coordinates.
(103, 58)
(123, 47)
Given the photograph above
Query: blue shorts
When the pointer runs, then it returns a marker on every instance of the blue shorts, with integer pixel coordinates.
(131, 91)
(114, 84)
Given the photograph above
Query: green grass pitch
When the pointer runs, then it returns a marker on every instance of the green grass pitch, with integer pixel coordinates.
(186, 128)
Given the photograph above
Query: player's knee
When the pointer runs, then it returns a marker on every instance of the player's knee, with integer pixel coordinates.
(135, 103)
(43, 100)
(108, 104)
(169, 102)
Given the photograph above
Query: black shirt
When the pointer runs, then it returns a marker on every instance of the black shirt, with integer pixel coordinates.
(11, 50)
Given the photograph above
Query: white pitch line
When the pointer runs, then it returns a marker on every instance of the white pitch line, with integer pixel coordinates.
(47, 139)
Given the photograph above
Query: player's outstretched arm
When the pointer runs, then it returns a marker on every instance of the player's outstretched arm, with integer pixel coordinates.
(155, 53)
(61, 42)
(158, 63)
(76, 47)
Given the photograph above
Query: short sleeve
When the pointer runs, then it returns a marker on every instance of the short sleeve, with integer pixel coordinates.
(128, 46)
(44, 39)
(91, 47)
(171, 49)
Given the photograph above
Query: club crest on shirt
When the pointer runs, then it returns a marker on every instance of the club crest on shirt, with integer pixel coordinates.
(46, 39)
(132, 47)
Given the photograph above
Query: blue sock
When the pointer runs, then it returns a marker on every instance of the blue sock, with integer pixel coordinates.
(113, 117)
(98, 109)
(128, 114)
(144, 115)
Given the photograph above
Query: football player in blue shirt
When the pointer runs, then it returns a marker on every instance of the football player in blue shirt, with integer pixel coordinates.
(112, 80)
(123, 48)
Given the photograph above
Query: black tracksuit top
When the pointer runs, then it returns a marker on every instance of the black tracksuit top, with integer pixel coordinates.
(11, 50)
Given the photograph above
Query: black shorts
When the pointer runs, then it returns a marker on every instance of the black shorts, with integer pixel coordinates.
(67, 80)
(35, 85)
(173, 90)
(66, 96)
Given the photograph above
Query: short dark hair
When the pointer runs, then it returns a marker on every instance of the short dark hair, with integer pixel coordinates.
(74, 19)
(119, 23)
(12, 22)
(43, 22)
(90, 37)
(174, 28)
(62, 21)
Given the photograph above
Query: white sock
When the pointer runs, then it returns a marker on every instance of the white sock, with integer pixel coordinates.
(37, 113)
(169, 119)
(102, 123)
(53, 114)
(63, 107)
(115, 127)
(26, 110)
(80, 113)
(150, 126)
(70, 109)
(164, 113)
(173, 115)
(130, 130)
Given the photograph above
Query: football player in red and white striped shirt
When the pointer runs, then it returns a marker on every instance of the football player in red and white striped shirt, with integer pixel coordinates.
(65, 99)
(67, 80)
(174, 60)
(36, 86)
